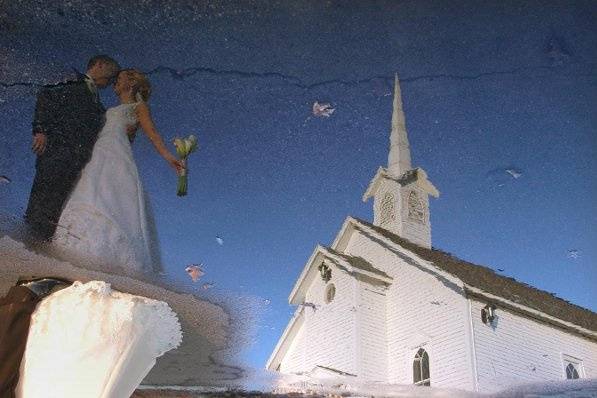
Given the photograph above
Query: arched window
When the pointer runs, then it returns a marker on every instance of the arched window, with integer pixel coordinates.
(421, 369)
(573, 367)
(386, 208)
(571, 372)
(330, 293)
(416, 212)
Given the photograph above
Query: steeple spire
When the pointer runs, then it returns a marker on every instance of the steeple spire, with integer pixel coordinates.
(399, 156)
(401, 193)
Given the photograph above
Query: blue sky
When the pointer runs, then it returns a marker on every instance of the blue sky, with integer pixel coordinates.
(486, 89)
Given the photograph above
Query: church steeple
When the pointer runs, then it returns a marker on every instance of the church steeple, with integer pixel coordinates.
(401, 193)
(399, 156)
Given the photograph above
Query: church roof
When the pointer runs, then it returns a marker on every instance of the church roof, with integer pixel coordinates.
(487, 280)
(358, 262)
(351, 264)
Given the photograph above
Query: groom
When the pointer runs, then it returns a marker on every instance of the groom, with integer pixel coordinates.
(68, 117)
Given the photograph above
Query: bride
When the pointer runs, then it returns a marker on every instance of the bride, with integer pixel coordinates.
(89, 340)
(107, 219)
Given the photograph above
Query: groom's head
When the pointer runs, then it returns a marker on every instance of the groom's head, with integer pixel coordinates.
(103, 70)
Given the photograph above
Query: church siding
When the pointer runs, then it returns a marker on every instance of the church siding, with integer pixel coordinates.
(371, 312)
(421, 311)
(295, 357)
(520, 349)
(328, 336)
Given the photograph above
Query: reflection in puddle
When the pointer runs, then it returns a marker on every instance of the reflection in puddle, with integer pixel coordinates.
(269, 182)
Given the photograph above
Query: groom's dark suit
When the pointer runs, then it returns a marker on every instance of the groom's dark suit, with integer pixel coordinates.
(70, 115)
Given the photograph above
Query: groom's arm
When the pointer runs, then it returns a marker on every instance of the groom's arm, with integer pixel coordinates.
(43, 111)
(41, 120)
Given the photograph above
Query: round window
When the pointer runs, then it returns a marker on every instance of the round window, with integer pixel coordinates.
(330, 293)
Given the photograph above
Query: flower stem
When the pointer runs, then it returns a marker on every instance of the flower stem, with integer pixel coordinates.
(182, 185)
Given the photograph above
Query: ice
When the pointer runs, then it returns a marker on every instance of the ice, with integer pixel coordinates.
(305, 386)
(349, 387)
(586, 388)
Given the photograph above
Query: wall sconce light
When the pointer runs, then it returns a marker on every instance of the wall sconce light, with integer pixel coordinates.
(488, 313)
(326, 272)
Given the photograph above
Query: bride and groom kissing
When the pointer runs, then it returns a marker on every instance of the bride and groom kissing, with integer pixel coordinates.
(87, 203)
(87, 199)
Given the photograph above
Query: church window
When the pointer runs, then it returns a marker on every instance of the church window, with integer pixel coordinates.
(330, 293)
(421, 369)
(416, 212)
(571, 372)
(387, 209)
(572, 367)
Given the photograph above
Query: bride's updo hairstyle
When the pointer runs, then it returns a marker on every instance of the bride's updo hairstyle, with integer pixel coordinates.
(140, 84)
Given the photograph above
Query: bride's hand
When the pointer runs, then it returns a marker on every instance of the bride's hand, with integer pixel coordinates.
(177, 164)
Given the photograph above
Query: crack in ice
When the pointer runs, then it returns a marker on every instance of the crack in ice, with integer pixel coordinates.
(182, 74)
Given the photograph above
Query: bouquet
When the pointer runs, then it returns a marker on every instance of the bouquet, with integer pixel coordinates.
(184, 147)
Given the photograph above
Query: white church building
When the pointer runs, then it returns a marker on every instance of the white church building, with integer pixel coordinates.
(380, 305)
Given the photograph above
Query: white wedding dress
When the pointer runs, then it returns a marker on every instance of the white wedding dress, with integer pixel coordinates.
(90, 341)
(107, 221)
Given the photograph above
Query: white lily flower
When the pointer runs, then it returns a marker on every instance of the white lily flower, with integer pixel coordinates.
(184, 147)
(193, 140)
(187, 146)
(179, 144)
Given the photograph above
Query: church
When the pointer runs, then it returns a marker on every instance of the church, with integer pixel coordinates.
(381, 305)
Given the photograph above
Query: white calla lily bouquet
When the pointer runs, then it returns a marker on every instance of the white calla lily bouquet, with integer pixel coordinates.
(184, 147)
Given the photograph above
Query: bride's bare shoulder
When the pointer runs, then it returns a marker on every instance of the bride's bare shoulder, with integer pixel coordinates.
(142, 108)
